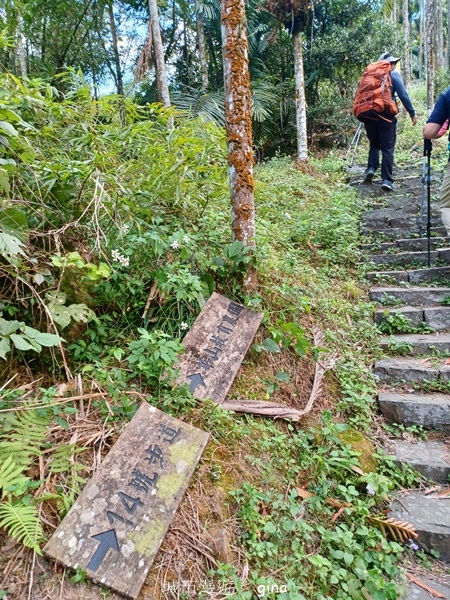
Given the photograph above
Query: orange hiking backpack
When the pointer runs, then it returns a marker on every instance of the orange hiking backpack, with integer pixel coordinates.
(374, 91)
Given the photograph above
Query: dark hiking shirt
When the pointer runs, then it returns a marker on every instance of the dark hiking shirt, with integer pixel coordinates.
(399, 89)
(441, 110)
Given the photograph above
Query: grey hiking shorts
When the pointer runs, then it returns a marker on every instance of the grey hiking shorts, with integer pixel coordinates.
(444, 200)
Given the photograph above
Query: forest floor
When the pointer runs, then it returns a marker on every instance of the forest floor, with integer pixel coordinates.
(275, 509)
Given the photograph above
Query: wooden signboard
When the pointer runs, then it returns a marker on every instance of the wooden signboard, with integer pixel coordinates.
(216, 346)
(115, 528)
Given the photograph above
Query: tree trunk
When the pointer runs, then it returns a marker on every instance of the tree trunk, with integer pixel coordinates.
(239, 125)
(300, 99)
(448, 34)
(439, 33)
(422, 41)
(406, 50)
(430, 55)
(202, 44)
(112, 25)
(21, 56)
(447, 64)
(161, 75)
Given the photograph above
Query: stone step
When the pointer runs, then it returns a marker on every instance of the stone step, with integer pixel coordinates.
(419, 343)
(436, 317)
(407, 258)
(428, 410)
(408, 245)
(413, 296)
(414, 314)
(382, 219)
(416, 592)
(431, 518)
(431, 458)
(421, 244)
(396, 233)
(412, 276)
(409, 369)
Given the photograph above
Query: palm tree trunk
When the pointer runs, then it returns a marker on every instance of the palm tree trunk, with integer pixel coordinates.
(300, 99)
(439, 33)
(239, 125)
(422, 41)
(161, 75)
(448, 34)
(406, 50)
(201, 44)
(112, 25)
(430, 55)
(21, 55)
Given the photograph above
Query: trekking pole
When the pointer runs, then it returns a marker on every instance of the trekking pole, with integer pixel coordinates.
(422, 197)
(354, 143)
(427, 147)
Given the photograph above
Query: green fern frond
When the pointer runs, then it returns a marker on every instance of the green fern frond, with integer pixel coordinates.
(10, 474)
(22, 454)
(23, 435)
(22, 523)
(62, 459)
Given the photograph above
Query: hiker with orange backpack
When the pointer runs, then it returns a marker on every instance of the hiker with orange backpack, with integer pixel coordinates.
(375, 105)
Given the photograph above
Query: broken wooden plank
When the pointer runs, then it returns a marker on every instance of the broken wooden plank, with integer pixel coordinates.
(216, 346)
(263, 409)
(116, 526)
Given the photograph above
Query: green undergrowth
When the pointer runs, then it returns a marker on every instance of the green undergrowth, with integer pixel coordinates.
(115, 229)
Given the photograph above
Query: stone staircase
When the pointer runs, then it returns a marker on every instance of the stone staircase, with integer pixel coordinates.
(413, 308)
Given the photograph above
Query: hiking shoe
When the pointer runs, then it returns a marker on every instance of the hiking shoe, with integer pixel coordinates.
(387, 186)
(369, 176)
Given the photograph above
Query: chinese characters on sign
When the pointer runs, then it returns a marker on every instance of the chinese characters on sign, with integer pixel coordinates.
(116, 526)
(216, 346)
(206, 360)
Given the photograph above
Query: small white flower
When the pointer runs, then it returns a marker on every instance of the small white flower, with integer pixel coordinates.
(186, 239)
(169, 275)
(287, 215)
(184, 326)
(125, 228)
(124, 261)
(115, 255)
(175, 245)
(412, 544)
(370, 491)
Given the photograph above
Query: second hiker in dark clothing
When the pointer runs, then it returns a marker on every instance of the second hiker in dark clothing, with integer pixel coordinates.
(381, 130)
(434, 128)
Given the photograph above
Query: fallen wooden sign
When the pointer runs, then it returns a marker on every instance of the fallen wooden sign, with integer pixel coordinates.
(116, 526)
(216, 346)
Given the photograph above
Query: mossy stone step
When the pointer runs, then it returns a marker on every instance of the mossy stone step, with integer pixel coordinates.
(397, 233)
(421, 244)
(436, 317)
(406, 369)
(408, 245)
(430, 516)
(413, 296)
(413, 276)
(408, 258)
(419, 343)
(414, 314)
(431, 458)
(427, 410)
(381, 221)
